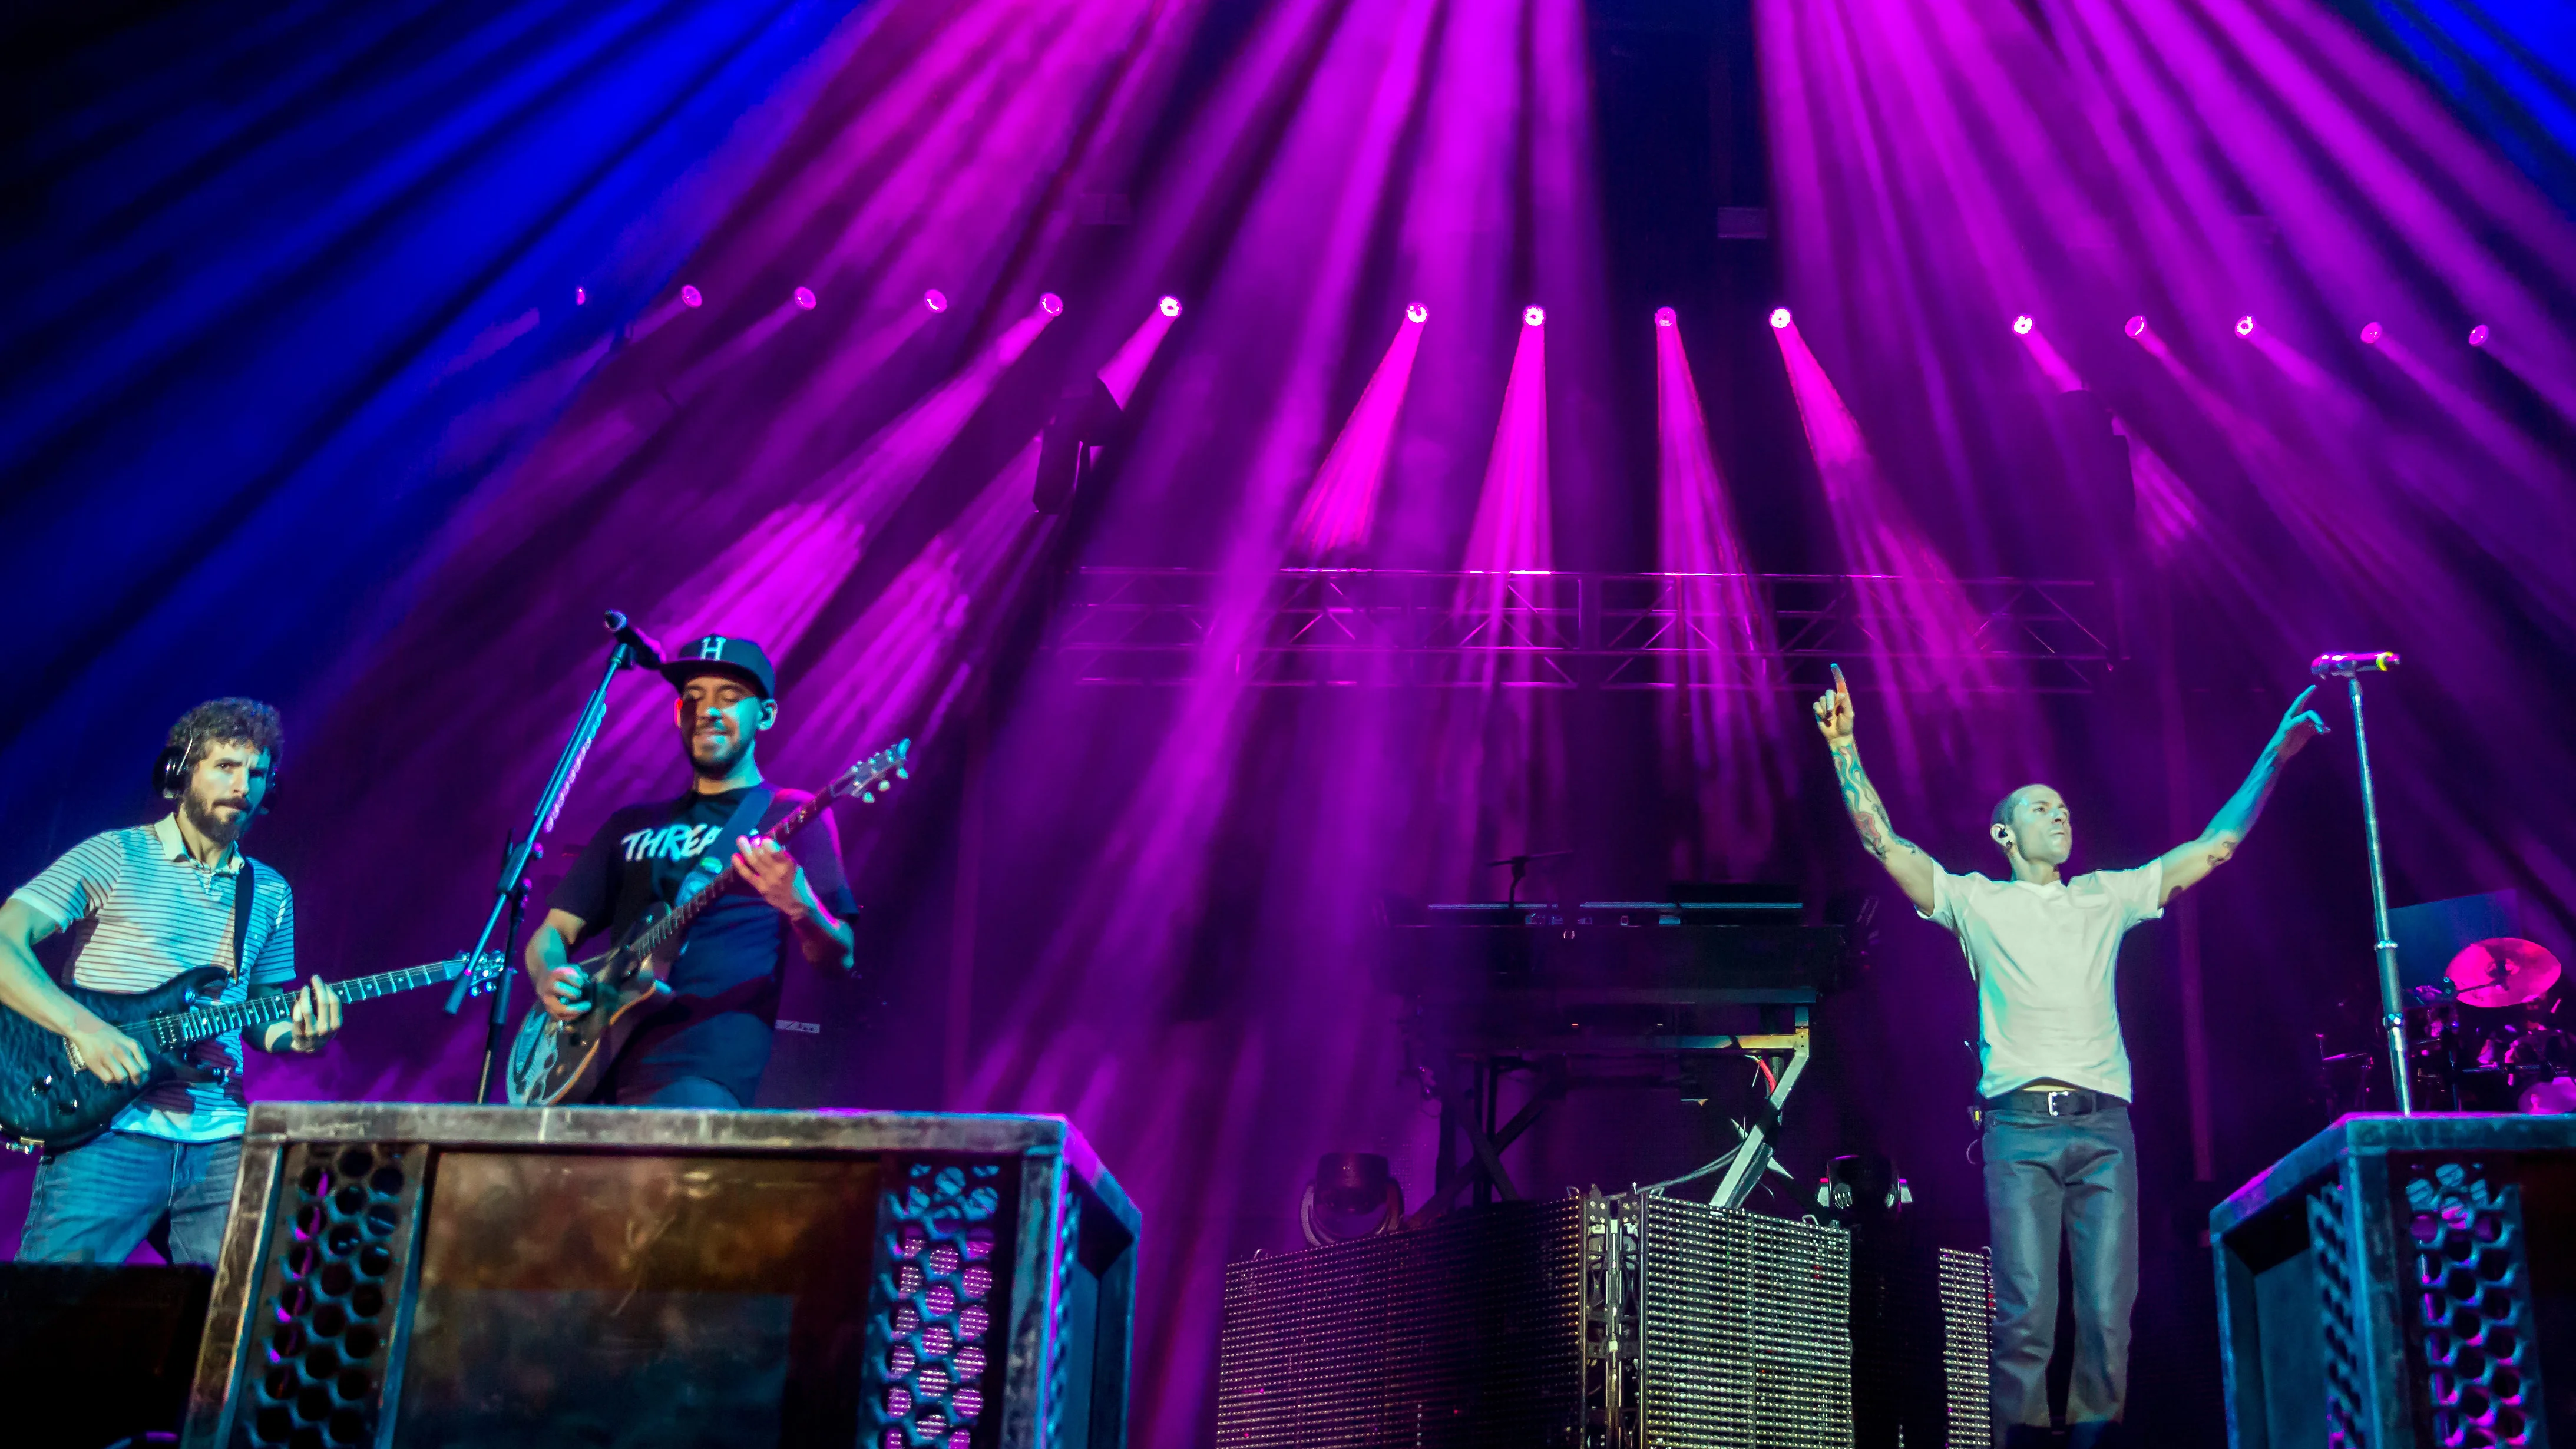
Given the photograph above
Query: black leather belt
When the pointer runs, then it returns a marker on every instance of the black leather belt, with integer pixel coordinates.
(2053, 1102)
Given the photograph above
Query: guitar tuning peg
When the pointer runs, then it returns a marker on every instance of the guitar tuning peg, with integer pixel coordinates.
(867, 799)
(903, 774)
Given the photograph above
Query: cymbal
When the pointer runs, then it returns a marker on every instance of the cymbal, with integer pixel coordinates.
(2502, 971)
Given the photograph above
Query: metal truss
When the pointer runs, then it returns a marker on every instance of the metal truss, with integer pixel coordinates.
(1420, 629)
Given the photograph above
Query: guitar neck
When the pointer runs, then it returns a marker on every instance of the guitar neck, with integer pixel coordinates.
(179, 1029)
(669, 927)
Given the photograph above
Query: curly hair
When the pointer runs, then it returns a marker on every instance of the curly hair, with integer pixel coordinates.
(228, 721)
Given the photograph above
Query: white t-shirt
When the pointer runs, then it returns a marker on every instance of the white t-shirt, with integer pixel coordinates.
(2043, 957)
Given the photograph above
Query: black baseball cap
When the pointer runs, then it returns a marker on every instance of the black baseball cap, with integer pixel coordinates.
(722, 654)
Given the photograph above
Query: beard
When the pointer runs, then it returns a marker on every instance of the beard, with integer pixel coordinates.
(722, 761)
(211, 823)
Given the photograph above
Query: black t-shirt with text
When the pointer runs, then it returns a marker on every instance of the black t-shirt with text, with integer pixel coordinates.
(725, 984)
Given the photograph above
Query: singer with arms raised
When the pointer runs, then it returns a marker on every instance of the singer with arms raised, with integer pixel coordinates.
(144, 905)
(2060, 1160)
(707, 1044)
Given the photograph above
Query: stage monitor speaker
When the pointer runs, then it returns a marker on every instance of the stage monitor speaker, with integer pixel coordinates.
(1585, 1323)
(2399, 1281)
(414, 1275)
(93, 1355)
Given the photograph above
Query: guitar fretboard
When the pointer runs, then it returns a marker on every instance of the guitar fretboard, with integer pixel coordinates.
(668, 929)
(179, 1028)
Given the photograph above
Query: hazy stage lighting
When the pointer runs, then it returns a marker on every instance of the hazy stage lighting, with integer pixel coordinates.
(579, 296)
(2137, 327)
(2370, 333)
(2245, 325)
(1665, 317)
(805, 298)
(1051, 304)
(2478, 335)
(2022, 325)
(1171, 306)
(1780, 317)
(1534, 316)
(1417, 313)
(935, 299)
(690, 297)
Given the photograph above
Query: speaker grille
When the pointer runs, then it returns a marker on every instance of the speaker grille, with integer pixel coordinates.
(940, 1227)
(1727, 1329)
(1464, 1336)
(333, 1279)
(1967, 1345)
(1748, 1330)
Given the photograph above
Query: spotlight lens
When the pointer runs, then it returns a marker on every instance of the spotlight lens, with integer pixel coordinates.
(1050, 304)
(689, 297)
(1417, 313)
(935, 299)
(2022, 325)
(1534, 316)
(2478, 335)
(1171, 306)
(1780, 317)
(2370, 332)
(805, 298)
(2137, 327)
(1665, 317)
(580, 296)
(2245, 325)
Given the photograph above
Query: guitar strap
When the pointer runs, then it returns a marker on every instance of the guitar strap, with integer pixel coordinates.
(744, 820)
(248, 878)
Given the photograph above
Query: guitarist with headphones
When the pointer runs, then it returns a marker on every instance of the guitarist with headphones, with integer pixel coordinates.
(707, 1042)
(144, 905)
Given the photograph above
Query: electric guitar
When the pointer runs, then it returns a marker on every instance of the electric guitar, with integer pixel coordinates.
(551, 1061)
(49, 1098)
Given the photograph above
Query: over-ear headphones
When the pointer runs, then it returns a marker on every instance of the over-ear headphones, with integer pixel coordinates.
(172, 767)
(170, 770)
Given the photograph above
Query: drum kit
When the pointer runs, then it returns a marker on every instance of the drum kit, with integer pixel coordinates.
(2486, 1037)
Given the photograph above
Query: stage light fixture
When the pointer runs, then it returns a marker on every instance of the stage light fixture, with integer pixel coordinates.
(2137, 327)
(2245, 325)
(691, 297)
(1666, 317)
(2370, 333)
(2022, 325)
(1051, 304)
(935, 299)
(1171, 306)
(2478, 335)
(1533, 316)
(580, 296)
(805, 298)
(1417, 313)
(1780, 317)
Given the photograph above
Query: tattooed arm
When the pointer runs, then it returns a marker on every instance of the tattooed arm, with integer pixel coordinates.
(1912, 869)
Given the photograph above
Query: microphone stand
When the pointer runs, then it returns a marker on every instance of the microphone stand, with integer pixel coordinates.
(2392, 1004)
(510, 895)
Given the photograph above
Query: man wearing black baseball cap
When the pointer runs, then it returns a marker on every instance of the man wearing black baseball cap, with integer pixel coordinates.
(706, 1045)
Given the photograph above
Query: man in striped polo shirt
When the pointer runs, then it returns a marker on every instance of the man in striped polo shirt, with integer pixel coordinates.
(143, 905)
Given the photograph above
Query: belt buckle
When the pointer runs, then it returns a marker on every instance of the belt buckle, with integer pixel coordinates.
(2053, 1095)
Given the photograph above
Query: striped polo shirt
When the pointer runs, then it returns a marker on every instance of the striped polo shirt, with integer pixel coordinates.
(140, 910)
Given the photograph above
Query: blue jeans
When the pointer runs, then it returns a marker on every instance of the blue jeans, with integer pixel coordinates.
(677, 1092)
(93, 1203)
(2073, 1179)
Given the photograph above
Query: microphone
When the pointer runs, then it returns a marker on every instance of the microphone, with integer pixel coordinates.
(2345, 666)
(641, 648)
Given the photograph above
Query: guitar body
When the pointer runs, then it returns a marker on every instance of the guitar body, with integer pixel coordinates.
(44, 1098)
(553, 1062)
